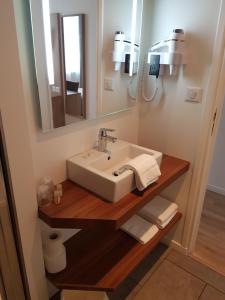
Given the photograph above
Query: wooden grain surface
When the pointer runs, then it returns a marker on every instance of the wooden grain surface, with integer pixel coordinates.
(210, 244)
(101, 261)
(82, 209)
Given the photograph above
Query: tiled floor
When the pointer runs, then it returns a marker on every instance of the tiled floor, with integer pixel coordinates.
(210, 246)
(179, 277)
(138, 277)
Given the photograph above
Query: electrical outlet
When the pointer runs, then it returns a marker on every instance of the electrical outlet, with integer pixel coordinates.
(194, 94)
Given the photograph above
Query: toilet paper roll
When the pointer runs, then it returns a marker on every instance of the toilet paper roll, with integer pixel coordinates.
(54, 243)
(56, 263)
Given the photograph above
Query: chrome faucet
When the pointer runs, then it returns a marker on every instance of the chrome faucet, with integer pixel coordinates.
(103, 138)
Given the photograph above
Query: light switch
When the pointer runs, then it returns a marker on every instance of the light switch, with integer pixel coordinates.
(109, 84)
(194, 94)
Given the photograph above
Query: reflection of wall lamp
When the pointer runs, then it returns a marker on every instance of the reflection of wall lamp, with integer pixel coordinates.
(122, 53)
(127, 51)
(48, 40)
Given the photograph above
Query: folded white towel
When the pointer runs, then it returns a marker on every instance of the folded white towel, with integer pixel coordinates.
(146, 170)
(166, 222)
(159, 210)
(140, 229)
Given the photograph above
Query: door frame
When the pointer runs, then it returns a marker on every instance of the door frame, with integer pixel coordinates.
(210, 124)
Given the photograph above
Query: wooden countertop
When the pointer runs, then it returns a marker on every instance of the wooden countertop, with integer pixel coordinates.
(82, 209)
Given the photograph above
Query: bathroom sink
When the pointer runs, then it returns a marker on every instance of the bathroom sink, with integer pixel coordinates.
(94, 170)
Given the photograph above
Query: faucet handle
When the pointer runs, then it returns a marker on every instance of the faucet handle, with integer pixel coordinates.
(103, 131)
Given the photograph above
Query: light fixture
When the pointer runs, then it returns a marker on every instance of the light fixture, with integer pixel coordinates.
(48, 40)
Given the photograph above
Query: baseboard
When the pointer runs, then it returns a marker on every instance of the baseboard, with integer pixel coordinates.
(178, 247)
(175, 245)
(216, 189)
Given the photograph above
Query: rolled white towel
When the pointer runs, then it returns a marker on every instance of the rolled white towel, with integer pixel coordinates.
(159, 210)
(140, 229)
(146, 170)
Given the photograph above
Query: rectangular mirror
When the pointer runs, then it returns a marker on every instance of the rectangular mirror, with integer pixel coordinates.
(84, 68)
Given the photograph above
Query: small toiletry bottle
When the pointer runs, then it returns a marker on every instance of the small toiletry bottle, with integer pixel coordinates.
(59, 189)
(57, 197)
(49, 183)
(58, 192)
(43, 195)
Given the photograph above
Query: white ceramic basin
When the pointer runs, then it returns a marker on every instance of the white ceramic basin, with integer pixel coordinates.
(94, 171)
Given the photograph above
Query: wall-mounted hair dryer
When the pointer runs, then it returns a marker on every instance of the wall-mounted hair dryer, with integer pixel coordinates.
(170, 52)
(122, 53)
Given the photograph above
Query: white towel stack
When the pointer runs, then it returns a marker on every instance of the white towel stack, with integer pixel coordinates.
(159, 211)
(140, 229)
(146, 170)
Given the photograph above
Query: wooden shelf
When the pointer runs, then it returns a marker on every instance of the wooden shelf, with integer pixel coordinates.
(102, 261)
(101, 258)
(82, 209)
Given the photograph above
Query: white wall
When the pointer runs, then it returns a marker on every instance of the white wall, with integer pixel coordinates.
(173, 124)
(217, 172)
(170, 124)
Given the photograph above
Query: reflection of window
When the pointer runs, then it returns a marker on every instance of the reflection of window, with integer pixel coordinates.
(72, 47)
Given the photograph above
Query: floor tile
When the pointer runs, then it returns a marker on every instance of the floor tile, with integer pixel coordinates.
(132, 282)
(212, 294)
(170, 282)
(197, 269)
(134, 292)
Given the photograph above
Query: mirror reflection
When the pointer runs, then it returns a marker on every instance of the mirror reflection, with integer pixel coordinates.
(74, 49)
(87, 57)
(66, 72)
(120, 54)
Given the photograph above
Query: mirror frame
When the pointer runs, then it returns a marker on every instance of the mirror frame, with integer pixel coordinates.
(41, 65)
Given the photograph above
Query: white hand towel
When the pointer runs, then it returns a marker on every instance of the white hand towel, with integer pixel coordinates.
(146, 170)
(140, 229)
(158, 210)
